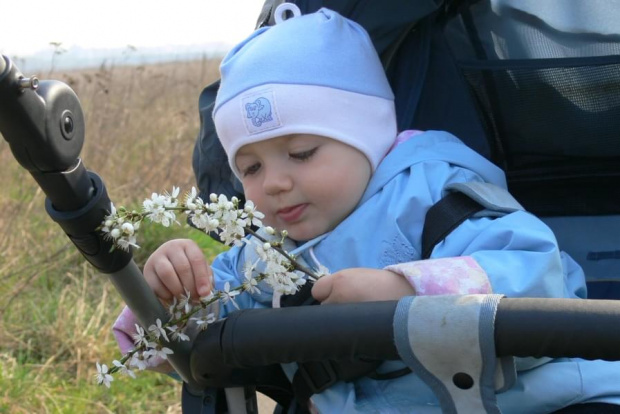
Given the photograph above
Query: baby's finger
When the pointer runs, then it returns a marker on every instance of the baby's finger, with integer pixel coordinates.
(184, 272)
(167, 274)
(322, 288)
(200, 270)
(154, 281)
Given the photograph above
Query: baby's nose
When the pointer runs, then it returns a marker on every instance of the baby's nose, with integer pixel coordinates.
(277, 181)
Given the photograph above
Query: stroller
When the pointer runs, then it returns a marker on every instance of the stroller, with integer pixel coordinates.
(487, 71)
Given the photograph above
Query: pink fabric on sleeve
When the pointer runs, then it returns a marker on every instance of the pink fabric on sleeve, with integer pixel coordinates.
(123, 329)
(405, 136)
(447, 276)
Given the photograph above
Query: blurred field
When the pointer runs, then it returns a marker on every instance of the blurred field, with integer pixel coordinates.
(56, 311)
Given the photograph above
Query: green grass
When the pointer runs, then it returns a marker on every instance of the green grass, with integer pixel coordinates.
(58, 326)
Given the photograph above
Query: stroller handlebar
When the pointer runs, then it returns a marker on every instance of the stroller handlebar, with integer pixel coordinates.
(527, 327)
(544, 327)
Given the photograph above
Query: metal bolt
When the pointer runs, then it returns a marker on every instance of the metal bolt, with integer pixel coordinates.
(29, 83)
(67, 125)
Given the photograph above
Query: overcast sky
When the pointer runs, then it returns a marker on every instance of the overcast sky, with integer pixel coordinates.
(29, 26)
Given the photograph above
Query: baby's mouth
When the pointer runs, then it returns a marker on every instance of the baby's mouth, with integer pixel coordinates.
(292, 213)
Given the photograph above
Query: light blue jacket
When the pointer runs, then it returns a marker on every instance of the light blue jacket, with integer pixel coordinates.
(518, 252)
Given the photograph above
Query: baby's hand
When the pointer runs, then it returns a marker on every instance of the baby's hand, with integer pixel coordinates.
(361, 285)
(176, 266)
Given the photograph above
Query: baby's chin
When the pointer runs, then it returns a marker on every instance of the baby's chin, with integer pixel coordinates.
(301, 236)
(301, 231)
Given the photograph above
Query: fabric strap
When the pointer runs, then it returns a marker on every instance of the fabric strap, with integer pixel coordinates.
(443, 217)
(313, 377)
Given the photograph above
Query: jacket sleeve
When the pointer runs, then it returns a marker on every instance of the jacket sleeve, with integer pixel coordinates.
(520, 255)
(445, 276)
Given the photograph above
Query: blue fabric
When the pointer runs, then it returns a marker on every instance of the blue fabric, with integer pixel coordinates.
(518, 252)
(322, 49)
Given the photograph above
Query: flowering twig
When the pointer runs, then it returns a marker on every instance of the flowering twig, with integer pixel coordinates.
(222, 216)
(277, 246)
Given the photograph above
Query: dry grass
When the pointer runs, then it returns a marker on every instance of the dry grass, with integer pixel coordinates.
(56, 311)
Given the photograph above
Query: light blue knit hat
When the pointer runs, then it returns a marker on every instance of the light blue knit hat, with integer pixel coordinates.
(313, 74)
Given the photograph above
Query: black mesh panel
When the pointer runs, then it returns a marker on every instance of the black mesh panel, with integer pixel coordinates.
(554, 126)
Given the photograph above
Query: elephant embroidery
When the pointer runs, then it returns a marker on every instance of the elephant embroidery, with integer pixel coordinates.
(259, 111)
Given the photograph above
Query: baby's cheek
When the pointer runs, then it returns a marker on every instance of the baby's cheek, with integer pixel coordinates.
(270, 220)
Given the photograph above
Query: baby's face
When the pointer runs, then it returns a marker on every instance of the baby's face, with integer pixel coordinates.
(305, 184)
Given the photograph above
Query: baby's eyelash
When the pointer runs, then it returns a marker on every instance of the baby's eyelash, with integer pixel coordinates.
(251, 170)
(304, 155)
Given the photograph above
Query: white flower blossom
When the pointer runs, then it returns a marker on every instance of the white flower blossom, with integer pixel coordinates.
(185, 302)
(277, 270)
(172, 309)
(191, 196)
(229, 294)
(115, 233)
(156, 208)
(124, 243)
(223, 210)
(158, 331)
(139, 338)
(322, 271)
(204, 222)
(180, 307)
(206, 300)
(254, 216)
(158, 351)
(127, 229)
(138, 360)
(265, 252)
(102, 375)
(121, 228)
(205, 320)
(250, 283)
(108, 221)
(123, 369)
(177, 334)
(233, 232)
(194, 204)
(175, 192)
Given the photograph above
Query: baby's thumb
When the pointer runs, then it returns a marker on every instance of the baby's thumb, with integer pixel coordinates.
(322, 288)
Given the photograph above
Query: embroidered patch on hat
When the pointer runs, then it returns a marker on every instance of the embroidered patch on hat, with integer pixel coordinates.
(260, 112)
